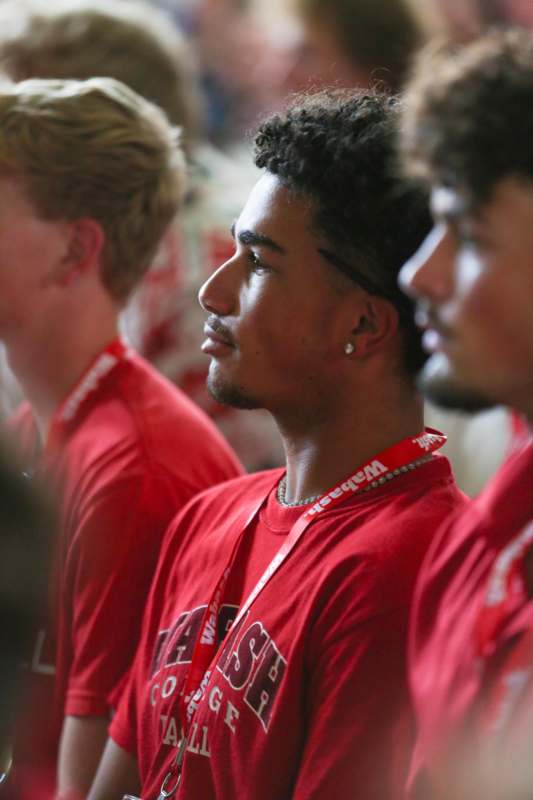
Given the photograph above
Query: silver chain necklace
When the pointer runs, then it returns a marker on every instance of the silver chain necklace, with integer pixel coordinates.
(388, 476)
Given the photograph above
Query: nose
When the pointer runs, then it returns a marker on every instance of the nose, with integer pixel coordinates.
(428, 272)
(218, 295)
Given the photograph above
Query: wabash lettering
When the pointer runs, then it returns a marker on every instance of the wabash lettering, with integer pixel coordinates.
(249, 662)
(262, 691)
(227, 649)
(240, 663)
(368, 473)
(427, 440)
(253, 663)
(210, 629)
(175, 645)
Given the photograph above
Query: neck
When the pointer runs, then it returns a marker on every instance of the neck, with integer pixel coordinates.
(48, 368)
(327, 452)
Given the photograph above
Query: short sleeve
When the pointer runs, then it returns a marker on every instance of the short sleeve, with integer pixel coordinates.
(125, 728)
(109, 570)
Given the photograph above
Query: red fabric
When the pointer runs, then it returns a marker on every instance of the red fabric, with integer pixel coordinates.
(136, 453)
(313, 695)
(452, 685)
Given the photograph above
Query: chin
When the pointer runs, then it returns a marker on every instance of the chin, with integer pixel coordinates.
(438, 384)
(230, 394)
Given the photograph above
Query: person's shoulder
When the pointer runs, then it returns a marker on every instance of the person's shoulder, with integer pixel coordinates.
(223, 505)
(431, 500)
(498, 512)
(382, 536)
(142, 421)
(419, 497)
(145, 391)
(433, 493)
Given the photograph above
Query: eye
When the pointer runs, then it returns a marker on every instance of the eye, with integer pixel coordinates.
(257, 265)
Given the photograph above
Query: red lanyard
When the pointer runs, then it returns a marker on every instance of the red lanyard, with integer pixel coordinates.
(99, 368)
(205, 649)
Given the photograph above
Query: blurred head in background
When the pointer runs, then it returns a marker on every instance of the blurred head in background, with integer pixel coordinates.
(355, 42)
(130, 41)
(96, 160)
(257, 52)
(463, 20)
(467, 134)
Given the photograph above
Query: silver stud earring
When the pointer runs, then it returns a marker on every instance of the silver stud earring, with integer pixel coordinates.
(349, 348)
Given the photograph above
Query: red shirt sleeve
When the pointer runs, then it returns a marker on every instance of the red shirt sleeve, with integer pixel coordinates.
(109, 571)
(125, 725)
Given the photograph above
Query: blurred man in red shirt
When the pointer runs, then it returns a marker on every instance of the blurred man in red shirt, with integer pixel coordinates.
(467, 132)
(90, 176)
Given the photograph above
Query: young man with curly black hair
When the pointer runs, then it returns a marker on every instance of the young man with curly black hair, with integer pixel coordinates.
(305, 695)
(468, 130)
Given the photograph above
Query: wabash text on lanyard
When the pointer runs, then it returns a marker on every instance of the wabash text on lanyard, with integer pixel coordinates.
(104, 363)
(205, 649)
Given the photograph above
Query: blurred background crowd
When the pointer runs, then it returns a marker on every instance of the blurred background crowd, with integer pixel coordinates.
(219, 66)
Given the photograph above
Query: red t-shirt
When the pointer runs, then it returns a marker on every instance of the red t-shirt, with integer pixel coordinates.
(136, 451)
(457, 666)
(308, 696)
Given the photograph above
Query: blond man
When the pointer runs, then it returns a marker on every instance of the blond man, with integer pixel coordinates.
(90, 176)
(140, 46)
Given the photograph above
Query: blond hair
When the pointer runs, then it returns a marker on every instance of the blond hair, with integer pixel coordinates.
(95, 149)
(132, 42)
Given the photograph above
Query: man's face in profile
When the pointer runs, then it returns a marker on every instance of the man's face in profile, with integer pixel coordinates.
(272, 309)
(473, 280)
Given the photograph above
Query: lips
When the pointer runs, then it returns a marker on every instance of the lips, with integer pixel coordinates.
(218, 337)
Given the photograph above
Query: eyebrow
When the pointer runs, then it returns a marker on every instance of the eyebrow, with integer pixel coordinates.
(252, 238)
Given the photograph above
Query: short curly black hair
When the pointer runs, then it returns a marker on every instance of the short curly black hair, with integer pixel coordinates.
(468, 119)
(338, 148)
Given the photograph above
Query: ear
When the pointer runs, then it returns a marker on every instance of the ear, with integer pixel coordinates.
(376, 326)
(83, 252)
